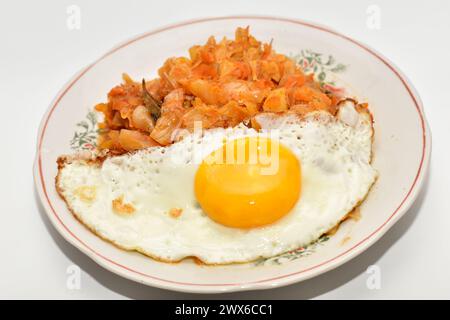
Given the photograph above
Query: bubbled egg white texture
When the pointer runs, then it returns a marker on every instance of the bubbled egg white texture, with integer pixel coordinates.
(336, 175)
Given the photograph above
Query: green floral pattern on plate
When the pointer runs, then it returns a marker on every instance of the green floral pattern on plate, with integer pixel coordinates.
(86, 132)
(294, 254)
(322, 66)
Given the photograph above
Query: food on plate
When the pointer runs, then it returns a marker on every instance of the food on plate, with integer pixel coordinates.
(276, 163)
(221, 83)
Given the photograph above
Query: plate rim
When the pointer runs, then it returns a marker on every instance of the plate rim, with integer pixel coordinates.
(273, 282)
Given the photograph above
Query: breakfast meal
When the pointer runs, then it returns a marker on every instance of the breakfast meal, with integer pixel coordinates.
(230, 155)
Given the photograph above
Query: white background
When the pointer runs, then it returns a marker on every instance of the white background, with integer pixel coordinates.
(38, 54)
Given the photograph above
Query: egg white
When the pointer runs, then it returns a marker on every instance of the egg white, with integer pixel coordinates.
(335, 158)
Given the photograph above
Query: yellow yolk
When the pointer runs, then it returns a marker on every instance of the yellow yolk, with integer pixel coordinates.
(248, 182)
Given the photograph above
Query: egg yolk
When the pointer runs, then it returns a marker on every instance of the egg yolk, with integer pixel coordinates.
(248, 182)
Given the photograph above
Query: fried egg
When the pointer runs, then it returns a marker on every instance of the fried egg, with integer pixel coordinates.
(295, 179)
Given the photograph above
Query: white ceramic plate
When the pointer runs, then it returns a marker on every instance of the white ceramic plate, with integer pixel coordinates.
(401, 148)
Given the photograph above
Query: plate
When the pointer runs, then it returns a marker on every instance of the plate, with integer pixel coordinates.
(402, 146)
